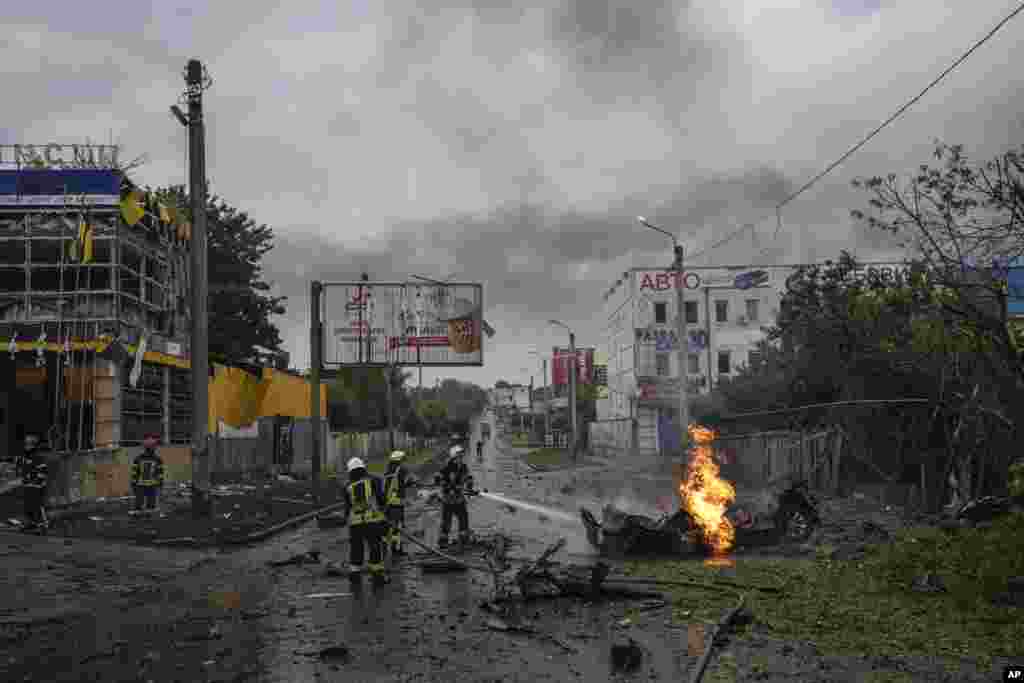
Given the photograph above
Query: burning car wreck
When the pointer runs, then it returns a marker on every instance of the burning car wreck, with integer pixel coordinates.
(711, 519)
(620, 533)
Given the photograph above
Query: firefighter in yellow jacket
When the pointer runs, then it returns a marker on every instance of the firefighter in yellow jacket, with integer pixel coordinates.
(395, 482)
(365, 508)
(147, 475)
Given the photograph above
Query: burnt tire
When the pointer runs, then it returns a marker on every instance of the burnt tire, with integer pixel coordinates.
(795, 523)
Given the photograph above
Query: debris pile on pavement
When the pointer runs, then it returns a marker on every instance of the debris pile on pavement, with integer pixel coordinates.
(237, 511)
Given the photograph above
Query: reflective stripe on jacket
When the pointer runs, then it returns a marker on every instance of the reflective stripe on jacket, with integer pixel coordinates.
(364, 506)
(148, 470)
(393, 493)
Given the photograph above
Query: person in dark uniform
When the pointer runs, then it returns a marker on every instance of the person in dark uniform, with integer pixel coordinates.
(34, 471)
(365, 508)
(456, 483)
(147, 475)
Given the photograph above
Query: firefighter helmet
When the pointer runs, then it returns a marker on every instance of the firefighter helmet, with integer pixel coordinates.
(355, 464)
(396, 456)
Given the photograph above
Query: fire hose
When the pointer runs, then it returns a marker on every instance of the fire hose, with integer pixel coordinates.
(435, 551)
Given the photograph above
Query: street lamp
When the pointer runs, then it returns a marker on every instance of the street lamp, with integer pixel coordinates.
(684, 408)
(572, 381)
(547, 392)
(529, 402)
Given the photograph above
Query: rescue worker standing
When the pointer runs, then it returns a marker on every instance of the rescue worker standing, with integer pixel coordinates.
(147, 475)
(455, 482)
(365, 506)
(395, 481)
(35, 477)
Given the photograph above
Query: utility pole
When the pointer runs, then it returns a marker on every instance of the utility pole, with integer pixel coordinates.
(388, 373)
(572, 391)
(684, 407)
(547, 401)
(196, 81)
(315, 361)
(364, 355)
(707, 331)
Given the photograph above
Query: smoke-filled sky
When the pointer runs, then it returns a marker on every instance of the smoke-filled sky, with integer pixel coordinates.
(515, 146)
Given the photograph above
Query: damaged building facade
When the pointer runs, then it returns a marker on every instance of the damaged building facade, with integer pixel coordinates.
(94, 323)
(724, 321)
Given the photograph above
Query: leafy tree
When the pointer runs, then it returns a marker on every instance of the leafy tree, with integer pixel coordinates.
(966, 223)
(358, 400)
(240, 307)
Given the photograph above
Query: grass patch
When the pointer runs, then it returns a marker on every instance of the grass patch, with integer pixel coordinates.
(413, 458)
(549, 457)
(867, 606)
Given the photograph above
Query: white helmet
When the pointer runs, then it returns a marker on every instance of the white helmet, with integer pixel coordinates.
(396, 456)
(455, 451)
(355, 464)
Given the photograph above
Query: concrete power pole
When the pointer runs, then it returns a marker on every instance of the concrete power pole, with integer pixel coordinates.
(196, 81)
(315, 362)
(684, 406)
(572, 392)
(547, 402)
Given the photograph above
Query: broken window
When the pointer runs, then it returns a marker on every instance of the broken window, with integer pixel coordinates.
(721, 311)
(691, 311)
(693, 363)
(752, 309)
(142, 405)
(181, 406)
(724, 362)
(661, 312)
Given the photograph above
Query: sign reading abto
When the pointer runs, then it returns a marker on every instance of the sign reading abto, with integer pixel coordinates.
(403, 323)
(660, 280)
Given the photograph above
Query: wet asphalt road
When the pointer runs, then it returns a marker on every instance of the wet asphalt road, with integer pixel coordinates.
(419, 627)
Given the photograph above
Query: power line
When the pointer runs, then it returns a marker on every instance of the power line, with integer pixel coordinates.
(899, 112)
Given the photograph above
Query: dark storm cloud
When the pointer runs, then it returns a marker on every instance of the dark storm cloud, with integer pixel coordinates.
(524, 253)
(644, 49)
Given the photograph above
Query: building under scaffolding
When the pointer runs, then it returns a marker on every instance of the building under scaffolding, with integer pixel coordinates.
(94, 336)
(93, 275)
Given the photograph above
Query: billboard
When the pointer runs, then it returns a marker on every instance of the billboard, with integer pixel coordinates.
(44, 187)
(561, 361)
(402, 323)
(1015, 289)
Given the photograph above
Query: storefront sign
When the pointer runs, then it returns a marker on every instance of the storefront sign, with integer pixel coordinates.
(1015, 289)
(661, 339)
(52, 155)
(662, 280)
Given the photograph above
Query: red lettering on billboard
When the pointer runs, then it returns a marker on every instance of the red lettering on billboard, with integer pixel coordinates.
(662, 280)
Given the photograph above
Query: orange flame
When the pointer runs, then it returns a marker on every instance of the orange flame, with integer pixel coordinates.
(705, 495)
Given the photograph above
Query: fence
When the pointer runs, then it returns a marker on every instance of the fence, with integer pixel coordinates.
(611, 438)
(765, 458)
(366, 444)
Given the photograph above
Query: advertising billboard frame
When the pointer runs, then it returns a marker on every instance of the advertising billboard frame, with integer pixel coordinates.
(414, 324)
